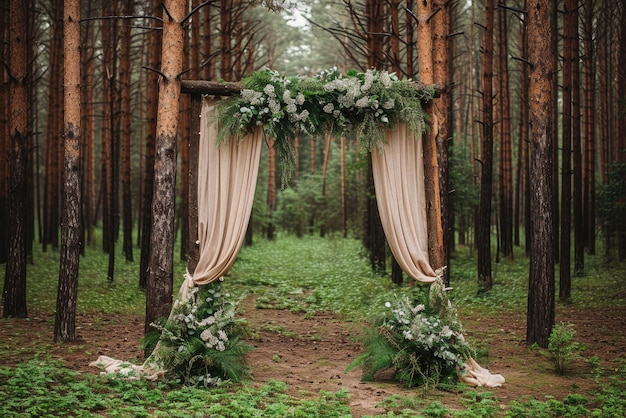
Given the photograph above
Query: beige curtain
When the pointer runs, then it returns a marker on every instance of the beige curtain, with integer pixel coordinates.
(399, 182)
(227, 176)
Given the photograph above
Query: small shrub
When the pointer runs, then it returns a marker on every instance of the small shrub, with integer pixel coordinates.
(562, 348)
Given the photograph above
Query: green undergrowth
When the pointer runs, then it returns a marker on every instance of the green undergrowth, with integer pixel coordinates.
(306, 275)
(43, 388)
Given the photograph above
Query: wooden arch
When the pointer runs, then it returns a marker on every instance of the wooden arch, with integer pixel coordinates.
(198, 88)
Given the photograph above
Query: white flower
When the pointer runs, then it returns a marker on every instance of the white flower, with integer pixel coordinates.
(209, 320)
(287, 97)
(362, 102)
(291, 108)
(385, 79)
(300, 99)
(368, 80)
(388, 305)
(206, 335)
(329, 108)
(274, 106)
(269, 90)
(222, 335)
(251, 96)
(389, 104)
(446, 331)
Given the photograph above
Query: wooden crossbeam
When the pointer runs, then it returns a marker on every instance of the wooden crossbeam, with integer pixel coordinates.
(224, 88)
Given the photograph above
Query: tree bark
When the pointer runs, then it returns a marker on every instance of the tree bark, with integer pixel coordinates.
(577, 195)
(194, 142)
(5, 141)
(15, 275)
(127, 133)
(65, 319)
(443, 115)
(424, 10)
(54, 127)
(162, 237)
(87, 133)
(540, 315)
(154, 46)
(483, 221)
(271, 188)
(565, 277)
(506, 175)
(589, 89)
(226, 25)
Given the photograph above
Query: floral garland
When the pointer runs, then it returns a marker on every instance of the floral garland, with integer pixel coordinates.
(360, 104)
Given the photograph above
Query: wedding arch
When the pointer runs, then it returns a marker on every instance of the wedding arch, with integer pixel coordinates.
(380, 111)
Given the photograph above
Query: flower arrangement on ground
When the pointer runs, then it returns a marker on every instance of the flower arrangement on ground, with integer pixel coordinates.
(361, 104)
(419, 337)
(201, 342)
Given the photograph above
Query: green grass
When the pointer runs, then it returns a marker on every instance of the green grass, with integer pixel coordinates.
(305, 275)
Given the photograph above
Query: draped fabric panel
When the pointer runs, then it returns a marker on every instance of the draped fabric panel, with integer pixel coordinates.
(399, 182)
(227, 176)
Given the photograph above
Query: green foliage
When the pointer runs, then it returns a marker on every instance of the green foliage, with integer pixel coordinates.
(420, 338)
(562, 348)
(572, 406)
(43, 388)
(200, 342)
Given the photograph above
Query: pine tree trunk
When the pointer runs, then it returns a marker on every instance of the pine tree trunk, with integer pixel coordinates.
(565, 278)
(555, 141)
(154, 46)
(15, 275)
(442, 109)
(226, 10)
(5, 142)
(394, 43)
(589, 184)
(87, 134)
(374, 237)
(127, 134)
(344, 212)
(65, 319)
(162, 237)
(328, 138)
(577, 195)
(483, 227)
(194, 143)
(506, 176)
(271, 188)
(541, 32)
(410, 35)
(54, 126)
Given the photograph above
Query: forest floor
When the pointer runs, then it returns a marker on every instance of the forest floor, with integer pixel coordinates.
(311, 354)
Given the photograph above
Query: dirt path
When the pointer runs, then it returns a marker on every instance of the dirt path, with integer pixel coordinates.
(312, 354)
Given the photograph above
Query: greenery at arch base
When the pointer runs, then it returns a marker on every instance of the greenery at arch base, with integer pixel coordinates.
(419, 337)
